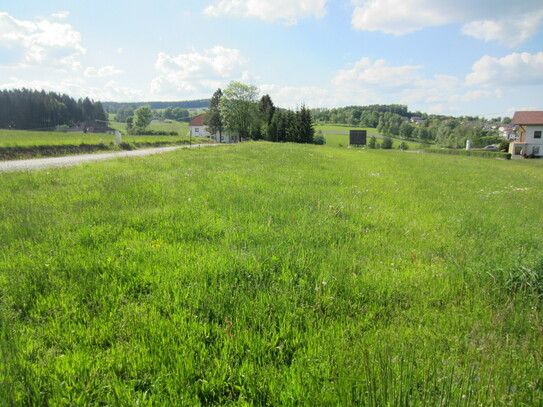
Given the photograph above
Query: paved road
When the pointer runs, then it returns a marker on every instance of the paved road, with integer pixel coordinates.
(42, 163)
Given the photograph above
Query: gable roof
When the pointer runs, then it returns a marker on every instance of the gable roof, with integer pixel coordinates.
(198, 120)
(528, 117)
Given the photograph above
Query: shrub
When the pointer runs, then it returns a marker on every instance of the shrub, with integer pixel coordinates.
(319, 138)
(386, 144)
(404, 146)
(372, 143)
(504, 146)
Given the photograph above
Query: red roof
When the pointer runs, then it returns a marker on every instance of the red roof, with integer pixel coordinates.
(198, 120)
(528, 117)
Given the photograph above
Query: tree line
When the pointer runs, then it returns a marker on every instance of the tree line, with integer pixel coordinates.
(238, 110)
(26, 109)
(114, 107)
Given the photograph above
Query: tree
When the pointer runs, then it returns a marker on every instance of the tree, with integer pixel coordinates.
(238, 108)
(213, 118)
(305, 125)
(142, 117)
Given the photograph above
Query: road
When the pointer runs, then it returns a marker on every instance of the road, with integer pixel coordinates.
(43, 163)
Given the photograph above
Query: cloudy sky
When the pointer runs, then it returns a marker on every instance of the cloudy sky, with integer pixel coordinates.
(475, 57)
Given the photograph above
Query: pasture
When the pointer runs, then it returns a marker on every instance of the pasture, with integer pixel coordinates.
(273, 274)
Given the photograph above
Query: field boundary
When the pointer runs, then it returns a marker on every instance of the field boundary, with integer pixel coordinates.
(24, 152)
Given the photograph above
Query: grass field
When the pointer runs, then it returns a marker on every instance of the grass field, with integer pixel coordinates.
(24, 138)
(273, 274)
(180, 128)
(338, 136)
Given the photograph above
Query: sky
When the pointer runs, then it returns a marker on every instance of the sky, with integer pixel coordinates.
(454, 57)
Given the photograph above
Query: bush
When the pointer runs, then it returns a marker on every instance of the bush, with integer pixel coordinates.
(372, 143)
(386, 144)
(319, 138)
(504, 146)
(404, 146)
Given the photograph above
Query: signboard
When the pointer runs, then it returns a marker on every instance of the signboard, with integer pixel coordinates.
(357, 137)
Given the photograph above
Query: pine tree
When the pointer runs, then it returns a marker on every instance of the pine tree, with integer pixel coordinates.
(213, 118)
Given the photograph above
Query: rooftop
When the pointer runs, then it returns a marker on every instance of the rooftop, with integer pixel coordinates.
(528, 117)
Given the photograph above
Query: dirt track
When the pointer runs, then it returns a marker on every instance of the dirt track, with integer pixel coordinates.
(43, 163)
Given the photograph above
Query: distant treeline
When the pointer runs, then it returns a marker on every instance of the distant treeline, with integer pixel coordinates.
(113, 107)
(26, 109)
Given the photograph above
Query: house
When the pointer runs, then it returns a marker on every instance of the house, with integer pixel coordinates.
(529, 141)
(198, 128)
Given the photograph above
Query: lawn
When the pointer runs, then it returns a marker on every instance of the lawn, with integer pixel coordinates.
(273, 274)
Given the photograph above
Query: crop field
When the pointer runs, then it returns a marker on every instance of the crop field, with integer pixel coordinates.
(273, 274)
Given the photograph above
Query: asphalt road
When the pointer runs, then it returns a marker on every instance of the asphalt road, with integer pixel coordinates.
(43, 163)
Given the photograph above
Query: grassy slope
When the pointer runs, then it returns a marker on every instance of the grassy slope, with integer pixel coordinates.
(23, 138)
(273, 274)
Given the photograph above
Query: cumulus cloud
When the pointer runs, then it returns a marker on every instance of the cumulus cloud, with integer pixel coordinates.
(287, 11)
(41, 42)
(61, 15)
(199, 71)
(511, 70)
(77, 88)
(103, 72)
(510, 23)
(365, 72)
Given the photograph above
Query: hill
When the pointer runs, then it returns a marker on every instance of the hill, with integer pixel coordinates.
(113, 107)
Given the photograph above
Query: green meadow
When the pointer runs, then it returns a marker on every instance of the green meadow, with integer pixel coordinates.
(273, 274)
(338, 136)
(25, 138)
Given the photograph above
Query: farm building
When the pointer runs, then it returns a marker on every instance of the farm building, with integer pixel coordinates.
(530, 127)
(198, 128)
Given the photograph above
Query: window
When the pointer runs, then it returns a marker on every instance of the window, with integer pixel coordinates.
(535, 150)
(537, 134)
(196, 129)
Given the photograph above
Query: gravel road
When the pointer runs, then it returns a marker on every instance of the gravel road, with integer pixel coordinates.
(42, 163)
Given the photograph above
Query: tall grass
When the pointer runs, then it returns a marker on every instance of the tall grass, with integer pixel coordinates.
(273, 274)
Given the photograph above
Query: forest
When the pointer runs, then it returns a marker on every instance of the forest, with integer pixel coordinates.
(25, 109)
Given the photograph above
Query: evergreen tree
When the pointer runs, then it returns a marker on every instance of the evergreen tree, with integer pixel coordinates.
(213, 118)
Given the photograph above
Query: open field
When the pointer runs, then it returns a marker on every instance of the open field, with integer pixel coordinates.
(23, 138)
(338, 136)
(180, 128)
(273, 274)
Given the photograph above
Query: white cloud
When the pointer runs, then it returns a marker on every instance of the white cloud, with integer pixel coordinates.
(287, 11)
(365, 72)
(105, 71)
(511, 70)
(508, 22)
(77, 88)
(62, 15)
(41, 42)
(510, 32)
(199, 72)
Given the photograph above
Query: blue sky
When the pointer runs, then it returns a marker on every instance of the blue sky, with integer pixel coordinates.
(457, 57)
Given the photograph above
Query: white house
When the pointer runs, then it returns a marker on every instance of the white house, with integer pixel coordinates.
(530, 127)
(199, 129)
